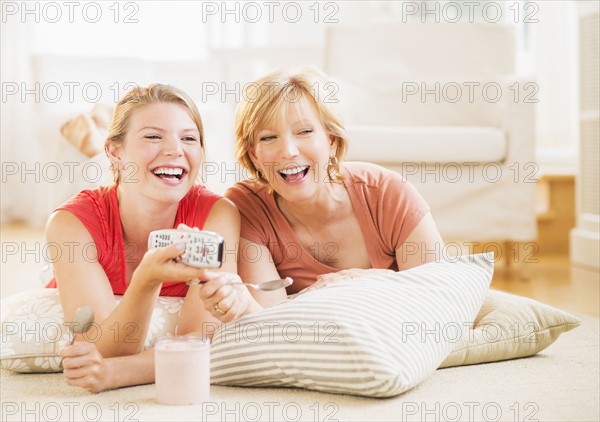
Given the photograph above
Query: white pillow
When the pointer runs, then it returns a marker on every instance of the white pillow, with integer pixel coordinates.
(376, 336)
(33, 329)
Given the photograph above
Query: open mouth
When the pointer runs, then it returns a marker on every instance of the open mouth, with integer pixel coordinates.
(169, 173)
(294, 174)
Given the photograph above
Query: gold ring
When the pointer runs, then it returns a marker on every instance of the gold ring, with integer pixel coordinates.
(218, 310)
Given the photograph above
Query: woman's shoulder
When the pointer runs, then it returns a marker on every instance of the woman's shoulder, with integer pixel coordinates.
(245, 191)
(65, 224)
(83, 213)
(195, 207)
(87, 199)
(98, 192)
(252, 199)
(370, 174)
(202, 192)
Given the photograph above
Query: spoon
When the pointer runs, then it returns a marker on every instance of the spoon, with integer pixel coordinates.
(82, 321)
(267, 285)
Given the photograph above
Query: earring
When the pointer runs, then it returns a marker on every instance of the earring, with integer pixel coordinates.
(259, 175)
(333, 168)
(260, 178)
(115, 172)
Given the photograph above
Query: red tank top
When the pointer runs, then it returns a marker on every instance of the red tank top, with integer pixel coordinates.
(98, 210)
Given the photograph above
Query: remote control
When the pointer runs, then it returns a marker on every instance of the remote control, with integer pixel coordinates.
(204, 249)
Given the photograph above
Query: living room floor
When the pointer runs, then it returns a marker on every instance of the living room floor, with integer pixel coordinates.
(547, 277)
(552, 279)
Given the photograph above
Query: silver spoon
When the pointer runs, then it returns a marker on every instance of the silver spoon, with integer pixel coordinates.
(267, 285)
(82, 321)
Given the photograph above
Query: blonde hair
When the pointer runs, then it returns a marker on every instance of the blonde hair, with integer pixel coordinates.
(138, 97)
(264, 101)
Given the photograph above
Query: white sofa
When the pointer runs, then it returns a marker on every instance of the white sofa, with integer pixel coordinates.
(440, 104)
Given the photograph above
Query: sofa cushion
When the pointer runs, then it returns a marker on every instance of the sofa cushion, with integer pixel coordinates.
(439, 144)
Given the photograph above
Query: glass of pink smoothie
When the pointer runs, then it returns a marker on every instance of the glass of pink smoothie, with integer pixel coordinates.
(182, 370)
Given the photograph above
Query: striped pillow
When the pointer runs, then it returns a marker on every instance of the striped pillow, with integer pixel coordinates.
(374, 336)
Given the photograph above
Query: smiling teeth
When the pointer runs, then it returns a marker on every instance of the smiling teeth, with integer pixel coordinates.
(169, 171)
(293, 170)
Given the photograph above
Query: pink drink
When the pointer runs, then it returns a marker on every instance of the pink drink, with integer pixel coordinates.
(182, 370)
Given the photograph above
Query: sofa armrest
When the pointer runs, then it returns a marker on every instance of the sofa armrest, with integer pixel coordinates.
(517, 119)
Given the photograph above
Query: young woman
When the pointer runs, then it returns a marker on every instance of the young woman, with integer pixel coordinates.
(156, 147)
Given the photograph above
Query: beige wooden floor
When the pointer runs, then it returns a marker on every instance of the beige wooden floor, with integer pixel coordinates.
(553, 280)
(549, 278)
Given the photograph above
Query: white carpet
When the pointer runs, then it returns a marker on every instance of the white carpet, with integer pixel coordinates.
(559, 384)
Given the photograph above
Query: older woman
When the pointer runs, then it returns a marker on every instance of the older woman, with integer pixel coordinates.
(306, 212)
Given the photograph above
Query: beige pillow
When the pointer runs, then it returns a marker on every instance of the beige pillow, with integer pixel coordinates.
(509, 327)
(88, 131)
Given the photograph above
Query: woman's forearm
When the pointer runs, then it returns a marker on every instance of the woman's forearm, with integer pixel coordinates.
(124, 331)
(85, 367)
(131, 370)
(194, 318)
